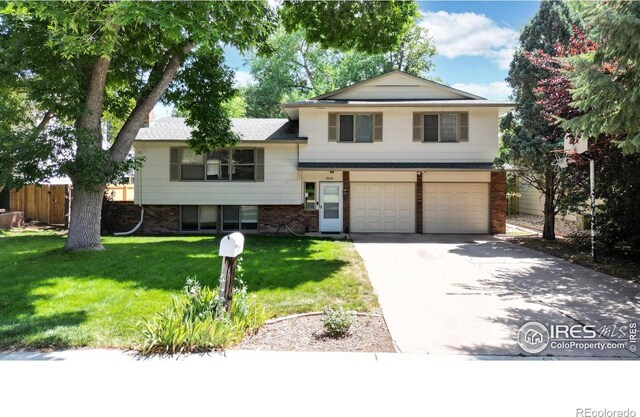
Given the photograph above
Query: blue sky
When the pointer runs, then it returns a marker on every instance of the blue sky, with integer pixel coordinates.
(475, 42)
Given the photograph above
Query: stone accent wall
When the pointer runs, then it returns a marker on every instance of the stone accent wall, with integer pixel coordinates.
(346, 202)
(498, 202)
(419, 188)
(270, 218)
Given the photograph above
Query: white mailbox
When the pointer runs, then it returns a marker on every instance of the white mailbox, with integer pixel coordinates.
(232, 245)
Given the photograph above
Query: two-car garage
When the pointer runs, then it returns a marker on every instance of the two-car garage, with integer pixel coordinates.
(451, 206)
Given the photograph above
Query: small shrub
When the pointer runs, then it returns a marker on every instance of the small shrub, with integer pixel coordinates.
(337, 322)
(197, 321)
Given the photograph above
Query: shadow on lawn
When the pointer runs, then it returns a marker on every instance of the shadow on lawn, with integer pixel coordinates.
(30, 263)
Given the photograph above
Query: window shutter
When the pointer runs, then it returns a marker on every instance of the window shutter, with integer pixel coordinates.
(417, 127)
(260, 164)
(377, 127)
(464, 127)
(333, 127)
(174, 165)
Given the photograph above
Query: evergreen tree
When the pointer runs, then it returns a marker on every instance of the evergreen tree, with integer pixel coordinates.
(528, 137)
(607, 82)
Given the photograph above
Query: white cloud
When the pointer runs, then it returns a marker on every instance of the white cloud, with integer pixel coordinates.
(243, 79)
(470, 34)
(498, 90)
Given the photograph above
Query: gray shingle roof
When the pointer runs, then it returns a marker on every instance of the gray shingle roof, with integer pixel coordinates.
(403, 103)
(174, 128)
(397, 165)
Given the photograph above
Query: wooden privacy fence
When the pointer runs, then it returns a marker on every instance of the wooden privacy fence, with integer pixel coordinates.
(122, 192)
(43, 203)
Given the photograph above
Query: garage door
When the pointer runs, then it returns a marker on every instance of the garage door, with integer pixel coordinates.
(383, 207)
(455, 208)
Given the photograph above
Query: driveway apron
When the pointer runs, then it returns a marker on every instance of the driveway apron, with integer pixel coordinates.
(470, 294)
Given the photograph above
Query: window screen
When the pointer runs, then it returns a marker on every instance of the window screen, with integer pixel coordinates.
(243, 165)
(208, 217)
(231, 217)
(189, 221)
(448, 127)
(363, 128)
(249, 217)
(430, 127)
(346, 128)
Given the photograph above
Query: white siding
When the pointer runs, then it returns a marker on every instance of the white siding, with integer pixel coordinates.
(531, 201)
(397, 86)
(397, 144)
(382, 176)
(281, 184)
(442, 176)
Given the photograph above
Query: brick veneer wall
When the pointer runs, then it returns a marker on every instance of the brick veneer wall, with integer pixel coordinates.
(122, 216)
(271, 218)
(160, 220)
(498, 202)
(119, 216)
(419, 188)
(346, 202)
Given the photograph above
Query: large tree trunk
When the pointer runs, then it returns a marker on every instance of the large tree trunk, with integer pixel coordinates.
(84, 225)
(86, 205)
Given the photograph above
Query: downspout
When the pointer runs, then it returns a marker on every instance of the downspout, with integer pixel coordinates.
(135, 229)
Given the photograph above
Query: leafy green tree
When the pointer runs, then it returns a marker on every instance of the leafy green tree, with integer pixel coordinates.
(24, 146)
(606, 82)
(527, 135)
(298, 69)
(86, 61)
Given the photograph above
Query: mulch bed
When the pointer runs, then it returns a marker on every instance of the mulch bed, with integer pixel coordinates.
(367, 334)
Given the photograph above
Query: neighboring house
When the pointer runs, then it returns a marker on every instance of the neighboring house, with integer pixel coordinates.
(395, 153)
(531, 201)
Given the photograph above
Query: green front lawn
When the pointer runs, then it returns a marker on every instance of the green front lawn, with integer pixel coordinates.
(53, 298)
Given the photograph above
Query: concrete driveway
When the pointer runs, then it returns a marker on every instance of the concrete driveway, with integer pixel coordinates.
(470, 294)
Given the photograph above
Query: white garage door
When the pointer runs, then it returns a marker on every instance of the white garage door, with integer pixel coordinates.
(383, 207)
(455, 208)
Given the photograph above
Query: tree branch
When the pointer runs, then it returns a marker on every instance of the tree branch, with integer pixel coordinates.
(127, 134)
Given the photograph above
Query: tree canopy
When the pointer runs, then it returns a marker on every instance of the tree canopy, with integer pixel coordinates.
(297, 69)
(528, 136)
(85, 62)
(606, 82)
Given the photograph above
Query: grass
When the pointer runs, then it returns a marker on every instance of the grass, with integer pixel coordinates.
(50, 298)
(621, 263)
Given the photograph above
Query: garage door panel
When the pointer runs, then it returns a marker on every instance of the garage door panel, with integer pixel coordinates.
(383, 207)
(455, 208)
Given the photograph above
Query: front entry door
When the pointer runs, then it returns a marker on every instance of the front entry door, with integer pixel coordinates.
(330, 207)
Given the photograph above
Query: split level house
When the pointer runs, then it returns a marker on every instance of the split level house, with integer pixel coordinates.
(393, 154)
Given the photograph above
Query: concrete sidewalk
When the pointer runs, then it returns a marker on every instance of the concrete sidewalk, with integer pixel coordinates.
(107, 355)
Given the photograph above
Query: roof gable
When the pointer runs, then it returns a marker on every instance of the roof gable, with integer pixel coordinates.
(398, 85)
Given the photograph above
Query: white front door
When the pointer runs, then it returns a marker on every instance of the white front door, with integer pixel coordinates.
(330, 207)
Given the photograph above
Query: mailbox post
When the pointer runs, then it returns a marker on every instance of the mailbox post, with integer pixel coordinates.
(230, 247)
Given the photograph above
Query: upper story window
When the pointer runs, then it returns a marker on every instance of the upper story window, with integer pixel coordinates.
(441, 127)
(355, 127)
(238, 164)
